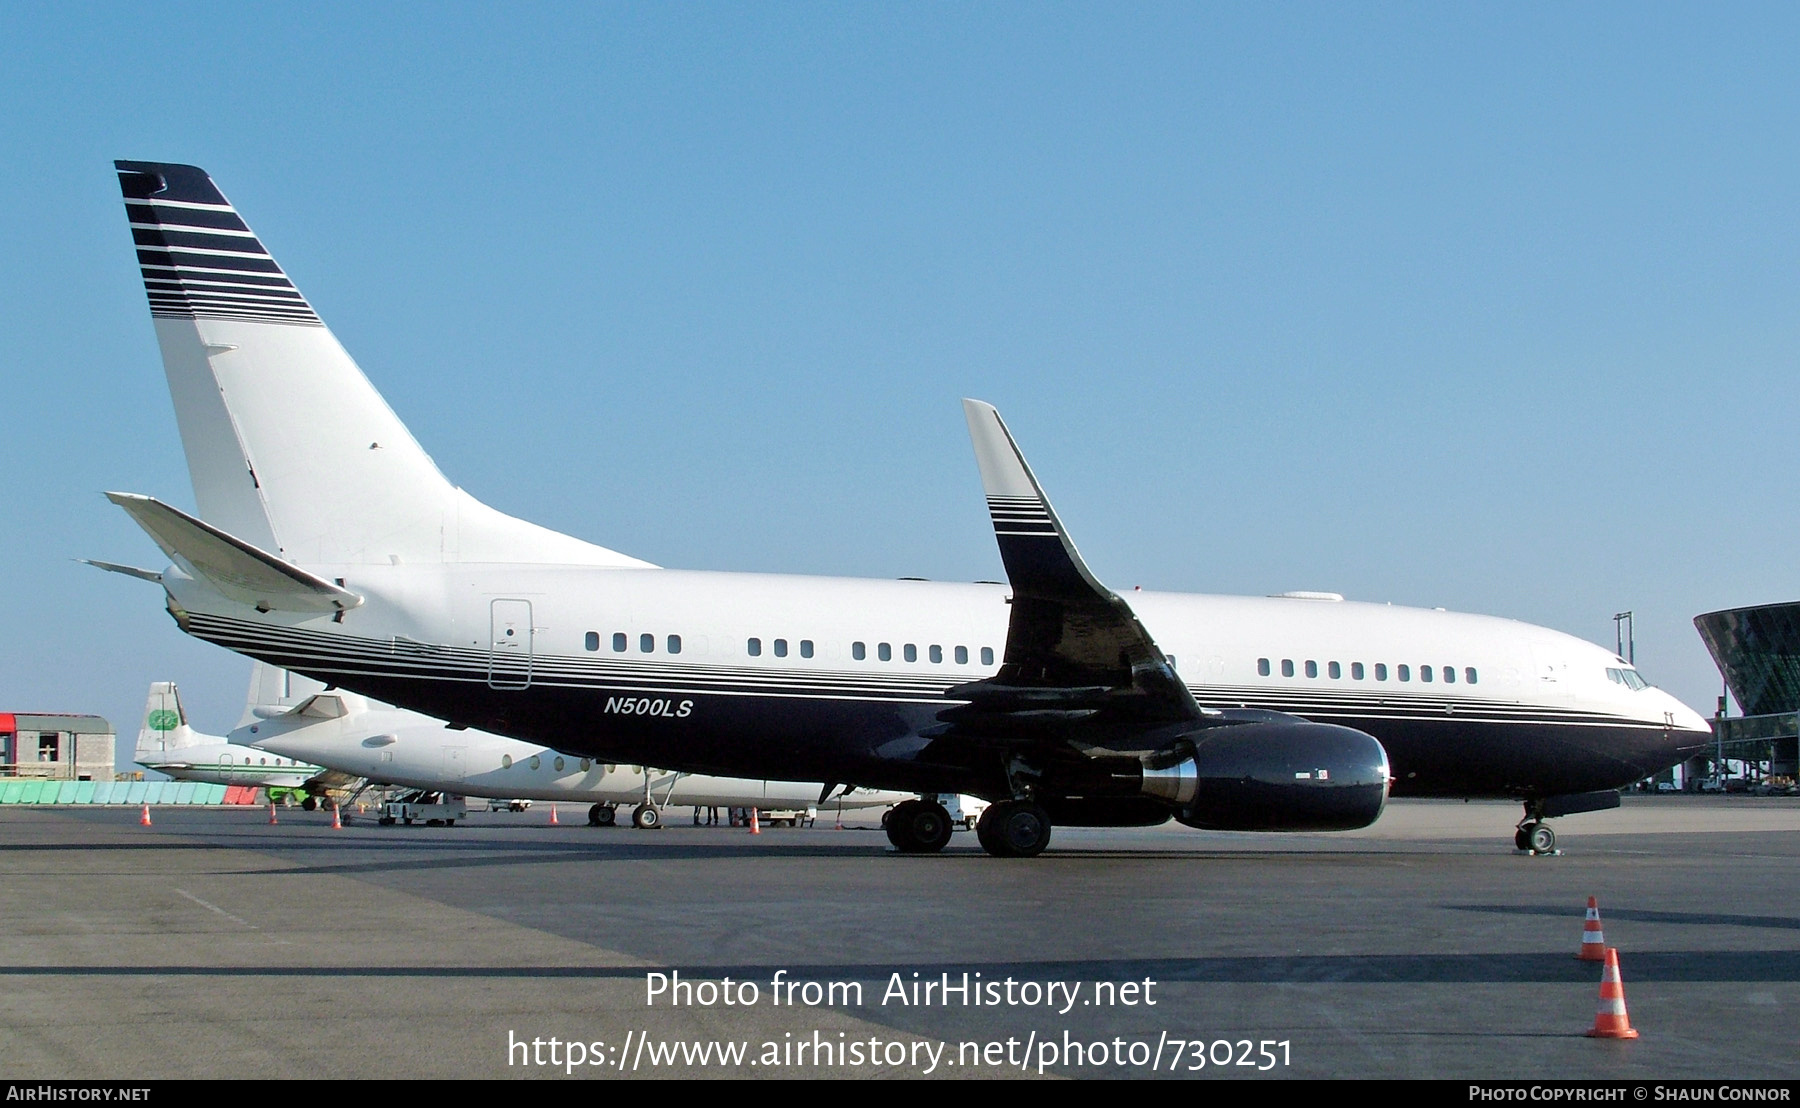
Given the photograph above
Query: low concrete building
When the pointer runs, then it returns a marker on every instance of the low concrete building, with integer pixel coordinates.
(56, 746)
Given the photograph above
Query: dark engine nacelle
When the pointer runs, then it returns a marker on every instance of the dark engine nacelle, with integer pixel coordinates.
(1289, 775)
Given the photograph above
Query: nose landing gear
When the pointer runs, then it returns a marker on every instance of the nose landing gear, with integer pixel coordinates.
(1535, 837)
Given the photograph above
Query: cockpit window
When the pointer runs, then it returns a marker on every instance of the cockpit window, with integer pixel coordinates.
(1627, 677)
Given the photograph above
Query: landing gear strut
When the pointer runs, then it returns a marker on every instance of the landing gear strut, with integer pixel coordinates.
(1014, 829)
(918, 826)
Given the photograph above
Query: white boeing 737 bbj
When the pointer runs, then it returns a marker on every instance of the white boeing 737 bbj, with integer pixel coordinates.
(329, 544)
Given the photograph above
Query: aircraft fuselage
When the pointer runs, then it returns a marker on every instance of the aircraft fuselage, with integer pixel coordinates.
(840, 679)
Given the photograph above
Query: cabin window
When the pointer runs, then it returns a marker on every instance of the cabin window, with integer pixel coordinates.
(506, 761)
(1424, 673)
(674, 644)
(987, 655)
(858, 651)
(647, 644)
(587, 764)
(962, 655)
(1381, 671)
(619, 641)
(1333, 671)
(781, 648)
(754, 646)
(593, 640)
(1449, 675)
(806, 648)
(1469, 674)
(1356, 671)
(910, 652)
(559, 765)
(536, 761)
(884, 652)
(937, 654)
(1404, 673)
(1287, 667)
(1262, 667)
(1312, 668)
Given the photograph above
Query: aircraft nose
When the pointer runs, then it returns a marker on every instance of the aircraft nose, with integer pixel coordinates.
(1691, 730)
(1686, 718)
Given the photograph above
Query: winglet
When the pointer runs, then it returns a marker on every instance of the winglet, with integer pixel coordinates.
(1072, 644)
(237, 569)
(1040, 558)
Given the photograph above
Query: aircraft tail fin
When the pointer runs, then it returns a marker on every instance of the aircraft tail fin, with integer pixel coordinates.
(164, 728)
(289, 446)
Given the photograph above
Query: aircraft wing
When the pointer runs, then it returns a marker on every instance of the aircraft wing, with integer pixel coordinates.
(1076, 654)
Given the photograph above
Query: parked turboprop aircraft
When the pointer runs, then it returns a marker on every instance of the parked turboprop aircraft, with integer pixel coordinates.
(167, 744)
(392, 746)
(329, 543)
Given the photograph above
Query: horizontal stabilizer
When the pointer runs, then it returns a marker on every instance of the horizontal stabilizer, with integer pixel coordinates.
(238, 570)
(129, 571)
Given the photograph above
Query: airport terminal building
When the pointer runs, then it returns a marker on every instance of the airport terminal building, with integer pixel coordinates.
(1758, 652)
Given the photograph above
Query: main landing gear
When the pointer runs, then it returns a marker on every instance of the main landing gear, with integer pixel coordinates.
(918, 826)
(1014, 829)
(1009, 829)
(602, 815)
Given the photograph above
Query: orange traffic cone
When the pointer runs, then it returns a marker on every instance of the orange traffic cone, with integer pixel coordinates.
(553, 821)
(337, 822)
(144, 820)
(1593, 940)
(755, 829)
(271, 813)
(1610, 1020)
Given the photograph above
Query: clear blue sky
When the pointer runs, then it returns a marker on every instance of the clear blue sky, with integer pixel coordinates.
(1486, 306)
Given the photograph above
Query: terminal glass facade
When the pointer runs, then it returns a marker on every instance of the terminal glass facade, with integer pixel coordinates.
(1758, 651)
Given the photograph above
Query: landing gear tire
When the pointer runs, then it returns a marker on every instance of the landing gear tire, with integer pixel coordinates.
(919, 827)
(1539, 839)
(386, 821)
(645, 818)
(602, 815)
(310, 804)
(1522, 838)
(1014, 829)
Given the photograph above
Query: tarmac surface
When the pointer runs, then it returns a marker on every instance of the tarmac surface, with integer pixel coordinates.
(213, 945)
